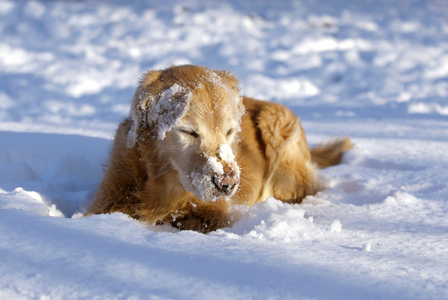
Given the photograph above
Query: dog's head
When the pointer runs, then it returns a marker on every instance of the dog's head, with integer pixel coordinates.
(193, 114)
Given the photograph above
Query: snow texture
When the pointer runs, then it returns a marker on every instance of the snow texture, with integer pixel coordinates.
(203, 182)
(203, 179)
(215, 165)
(167, 109)
(226, 154)
(162, 111)
(376, 71)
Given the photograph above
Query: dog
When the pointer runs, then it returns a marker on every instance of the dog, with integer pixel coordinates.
(192, 147)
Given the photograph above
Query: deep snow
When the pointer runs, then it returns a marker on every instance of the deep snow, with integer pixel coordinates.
(376, 71)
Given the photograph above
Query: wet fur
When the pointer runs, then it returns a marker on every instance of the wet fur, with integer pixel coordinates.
(143, 178)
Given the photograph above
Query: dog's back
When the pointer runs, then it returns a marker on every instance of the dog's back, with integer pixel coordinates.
(276, 152)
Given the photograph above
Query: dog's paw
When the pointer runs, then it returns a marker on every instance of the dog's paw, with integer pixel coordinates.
(201, 217)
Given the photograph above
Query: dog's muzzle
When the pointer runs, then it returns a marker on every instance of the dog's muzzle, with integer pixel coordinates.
(226, 183)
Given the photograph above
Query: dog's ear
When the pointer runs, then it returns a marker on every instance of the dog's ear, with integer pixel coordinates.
(141, 100)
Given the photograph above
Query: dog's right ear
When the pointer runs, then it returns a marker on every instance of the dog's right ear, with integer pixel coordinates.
(142, 97)
(230, 79)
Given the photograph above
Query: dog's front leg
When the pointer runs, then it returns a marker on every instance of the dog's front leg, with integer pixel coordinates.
(201, 216)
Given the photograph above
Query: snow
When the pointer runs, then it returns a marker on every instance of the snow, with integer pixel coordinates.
(336, 226)
(158, 110)
(215, 165)
(372, 70)
(202, 181)
(166, 112)
(226, 154)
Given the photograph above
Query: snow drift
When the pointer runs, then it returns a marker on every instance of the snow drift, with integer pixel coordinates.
(374, 71)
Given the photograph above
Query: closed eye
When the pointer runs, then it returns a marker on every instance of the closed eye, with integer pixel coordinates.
(230, 132)
(191, 133)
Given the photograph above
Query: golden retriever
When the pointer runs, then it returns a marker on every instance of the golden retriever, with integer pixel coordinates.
(192, 147)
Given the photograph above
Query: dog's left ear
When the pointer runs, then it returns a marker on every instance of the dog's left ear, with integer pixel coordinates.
(139, 103)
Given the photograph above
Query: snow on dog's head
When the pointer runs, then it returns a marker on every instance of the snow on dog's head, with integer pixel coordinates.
(194, 115)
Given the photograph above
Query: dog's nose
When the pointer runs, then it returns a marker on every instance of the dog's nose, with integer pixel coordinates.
(226, 183)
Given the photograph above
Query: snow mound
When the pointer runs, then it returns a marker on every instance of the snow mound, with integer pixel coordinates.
(274, 220)
(28, 201)
(400, 198)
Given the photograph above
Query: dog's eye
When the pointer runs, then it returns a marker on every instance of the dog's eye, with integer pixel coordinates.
(191, 133)
(230, 132)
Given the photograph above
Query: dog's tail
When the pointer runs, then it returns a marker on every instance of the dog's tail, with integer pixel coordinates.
(330, 154)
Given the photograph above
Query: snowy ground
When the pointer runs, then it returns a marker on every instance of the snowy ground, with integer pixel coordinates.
(373, 70)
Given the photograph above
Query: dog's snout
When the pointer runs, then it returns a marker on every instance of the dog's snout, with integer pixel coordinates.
(226, 183)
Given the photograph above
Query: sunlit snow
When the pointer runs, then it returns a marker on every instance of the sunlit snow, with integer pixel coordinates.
(376, 71)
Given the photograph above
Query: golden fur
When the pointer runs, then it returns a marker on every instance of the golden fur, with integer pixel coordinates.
(192, 147)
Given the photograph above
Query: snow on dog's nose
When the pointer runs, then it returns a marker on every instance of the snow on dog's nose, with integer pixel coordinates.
(229, 180)
(225, 177)
(226, 183)
(219, 176)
